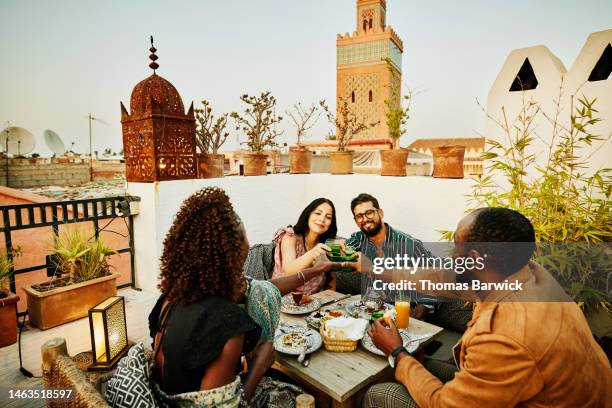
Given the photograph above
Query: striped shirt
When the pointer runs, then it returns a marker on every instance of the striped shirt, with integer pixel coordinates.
(396, 243)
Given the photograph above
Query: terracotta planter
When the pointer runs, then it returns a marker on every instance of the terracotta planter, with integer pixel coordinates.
(8, 319)
(341, 162)
(210, 165)
(393, 162)
(448, 161)
(62, 305)
(299, 160)
(255, 164)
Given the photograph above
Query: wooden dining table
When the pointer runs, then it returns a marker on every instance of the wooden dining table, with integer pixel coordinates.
(341, 379)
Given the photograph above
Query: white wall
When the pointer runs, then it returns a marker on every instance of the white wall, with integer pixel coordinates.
(551, 75)
(417, 205)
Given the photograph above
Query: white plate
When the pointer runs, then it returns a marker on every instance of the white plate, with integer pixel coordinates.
(351, 306)
(411, 346)
(287, 306)
(313, 339)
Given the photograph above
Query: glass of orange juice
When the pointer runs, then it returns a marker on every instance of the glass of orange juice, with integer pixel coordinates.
(402, 310)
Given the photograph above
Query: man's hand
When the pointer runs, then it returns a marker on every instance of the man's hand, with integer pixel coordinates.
(419, 311)
(385, 338)
(325, 265)
(361, 265)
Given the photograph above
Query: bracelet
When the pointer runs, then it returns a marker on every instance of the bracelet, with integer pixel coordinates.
(301, 275)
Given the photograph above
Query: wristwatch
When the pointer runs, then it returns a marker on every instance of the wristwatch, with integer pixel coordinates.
(392, 357)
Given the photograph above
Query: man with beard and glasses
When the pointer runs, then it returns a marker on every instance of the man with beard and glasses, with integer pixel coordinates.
(523, 348)
(377, 239)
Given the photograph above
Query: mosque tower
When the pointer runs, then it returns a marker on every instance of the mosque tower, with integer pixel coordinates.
(369, 67)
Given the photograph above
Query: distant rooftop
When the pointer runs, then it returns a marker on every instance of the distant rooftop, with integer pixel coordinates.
(475, 143)
(101, 188)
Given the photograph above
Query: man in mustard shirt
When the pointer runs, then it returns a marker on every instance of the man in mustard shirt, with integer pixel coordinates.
(516, 352)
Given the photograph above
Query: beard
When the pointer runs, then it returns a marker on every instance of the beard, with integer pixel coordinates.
(375, 229)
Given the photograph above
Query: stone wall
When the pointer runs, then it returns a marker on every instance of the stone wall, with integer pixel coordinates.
(56, 171)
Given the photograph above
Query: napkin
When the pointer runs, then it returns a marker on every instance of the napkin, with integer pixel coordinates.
(345, 328)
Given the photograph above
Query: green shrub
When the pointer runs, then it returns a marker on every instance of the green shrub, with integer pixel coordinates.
(564, 203)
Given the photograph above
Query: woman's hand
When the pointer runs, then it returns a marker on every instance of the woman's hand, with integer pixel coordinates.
(263, 358)
(323, 264)
(264, 354)
(318, 250)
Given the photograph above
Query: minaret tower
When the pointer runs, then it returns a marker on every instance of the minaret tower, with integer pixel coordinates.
(369, 66)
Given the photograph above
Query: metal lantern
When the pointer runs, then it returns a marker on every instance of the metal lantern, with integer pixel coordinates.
(108, 333)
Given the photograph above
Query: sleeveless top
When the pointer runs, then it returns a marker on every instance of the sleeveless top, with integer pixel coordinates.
(313, 285)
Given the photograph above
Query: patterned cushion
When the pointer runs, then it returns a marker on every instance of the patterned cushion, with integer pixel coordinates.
(129, 387)
(260, 261)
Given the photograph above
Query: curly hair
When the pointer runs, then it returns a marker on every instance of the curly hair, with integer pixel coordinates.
(201, 255)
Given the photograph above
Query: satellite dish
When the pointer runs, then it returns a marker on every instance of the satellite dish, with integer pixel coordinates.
(54, 142)
(17, 141)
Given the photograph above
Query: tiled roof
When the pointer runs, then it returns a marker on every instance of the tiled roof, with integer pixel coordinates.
(474, 143)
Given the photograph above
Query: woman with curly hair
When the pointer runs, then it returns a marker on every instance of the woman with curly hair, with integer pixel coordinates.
(199, 330)
(298, 247)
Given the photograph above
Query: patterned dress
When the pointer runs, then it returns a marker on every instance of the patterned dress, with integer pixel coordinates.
(313, 285)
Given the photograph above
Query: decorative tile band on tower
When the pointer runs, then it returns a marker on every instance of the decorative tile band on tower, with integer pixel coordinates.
(158, 137)
(369, 67)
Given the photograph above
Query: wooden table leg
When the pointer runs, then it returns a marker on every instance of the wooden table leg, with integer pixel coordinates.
(349, 403)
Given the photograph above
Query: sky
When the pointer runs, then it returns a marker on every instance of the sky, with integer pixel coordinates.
(61, 60)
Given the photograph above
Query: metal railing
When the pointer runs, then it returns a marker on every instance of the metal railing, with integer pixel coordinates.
(53, 214)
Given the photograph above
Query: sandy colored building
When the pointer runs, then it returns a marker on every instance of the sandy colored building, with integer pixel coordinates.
(369, 67)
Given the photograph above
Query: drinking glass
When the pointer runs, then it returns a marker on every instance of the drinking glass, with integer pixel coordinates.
(402, 310)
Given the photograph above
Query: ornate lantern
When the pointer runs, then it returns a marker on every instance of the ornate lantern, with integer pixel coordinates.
(108, 330)
(158, 137)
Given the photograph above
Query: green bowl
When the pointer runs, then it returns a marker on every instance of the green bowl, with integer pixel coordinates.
(336, 258)
(339, 258)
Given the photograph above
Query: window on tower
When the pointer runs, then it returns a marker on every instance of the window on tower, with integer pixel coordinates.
(370, 24)
(365, 25)
(353, 96)
(370, 95)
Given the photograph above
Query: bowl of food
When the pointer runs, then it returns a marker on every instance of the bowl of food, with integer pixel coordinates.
(365, 308)
(299, 303)
(296, 342)
(315, 319)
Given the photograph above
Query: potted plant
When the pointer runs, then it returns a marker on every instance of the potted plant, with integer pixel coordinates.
(393, 161)
(259, 124)
(566, 199)
(304, 119)
(210, 136)
(82, 279)
(8, 300)
(347, 125)
(448, 161)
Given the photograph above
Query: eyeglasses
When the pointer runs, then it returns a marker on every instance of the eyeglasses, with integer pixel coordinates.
(369, 214)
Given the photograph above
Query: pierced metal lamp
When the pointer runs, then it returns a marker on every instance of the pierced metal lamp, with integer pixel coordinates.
(108, 331)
